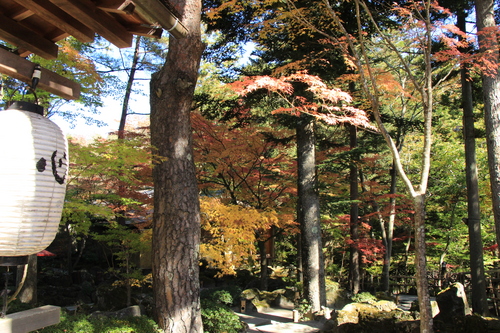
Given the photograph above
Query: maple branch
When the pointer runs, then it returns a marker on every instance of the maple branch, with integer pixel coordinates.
(373, 97)
(390, 44)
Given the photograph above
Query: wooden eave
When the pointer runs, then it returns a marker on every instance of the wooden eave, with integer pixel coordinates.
(34, 26)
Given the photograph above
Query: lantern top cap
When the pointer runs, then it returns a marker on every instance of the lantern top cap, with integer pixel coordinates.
(27, 106)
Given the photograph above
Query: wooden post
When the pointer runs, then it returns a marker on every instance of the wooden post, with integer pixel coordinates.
(30, 320)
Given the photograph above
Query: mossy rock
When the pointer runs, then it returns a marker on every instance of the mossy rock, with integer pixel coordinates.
(414, 307)
(381, 310)
(336, 297)
(250, 294)
(269, 296)
(384, 305)
(266, 299)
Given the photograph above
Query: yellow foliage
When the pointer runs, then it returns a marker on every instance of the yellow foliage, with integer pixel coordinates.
(229, 233)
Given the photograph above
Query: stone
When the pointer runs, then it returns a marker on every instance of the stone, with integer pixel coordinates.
(131, 311)
(249, 294)
(452, 303)
(385, 305)
(434, 307)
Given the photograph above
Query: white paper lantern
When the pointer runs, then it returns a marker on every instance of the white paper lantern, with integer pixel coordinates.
(33, 169)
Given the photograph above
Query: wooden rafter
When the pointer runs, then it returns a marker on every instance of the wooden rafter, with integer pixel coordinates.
(14, 33)
(34, 26)
(59, 18)
(96, 19)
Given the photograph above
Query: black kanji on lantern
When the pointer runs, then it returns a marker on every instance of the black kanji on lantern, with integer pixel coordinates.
(42, 164)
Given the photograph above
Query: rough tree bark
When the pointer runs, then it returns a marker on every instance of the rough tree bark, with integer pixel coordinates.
(308, 215)
(176, 226)
(488, 41)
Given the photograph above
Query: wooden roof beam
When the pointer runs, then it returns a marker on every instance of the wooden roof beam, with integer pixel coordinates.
(20, 15)
(16, 34)
(94, 18)
(117, 6)
(59, 18)
(145, 31)
(22, 69)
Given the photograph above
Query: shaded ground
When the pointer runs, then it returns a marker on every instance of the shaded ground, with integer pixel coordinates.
(277, 320)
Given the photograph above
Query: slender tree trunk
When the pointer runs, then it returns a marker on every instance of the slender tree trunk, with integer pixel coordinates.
(388, 232)
(488, 41)
(354, 276)
(479, 300)
(128, 89)
(425, 89)
(424, 300)
(308, 215)
(176, 226)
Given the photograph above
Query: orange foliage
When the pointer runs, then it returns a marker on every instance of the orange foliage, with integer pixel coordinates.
(327, 104)
(229, 233)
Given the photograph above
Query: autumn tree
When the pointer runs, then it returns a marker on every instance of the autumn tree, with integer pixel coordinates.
(247, 166)
(98, 169)
(176, 227)
(415, 17)
(229, 234)
(283, 45)
(308, 98)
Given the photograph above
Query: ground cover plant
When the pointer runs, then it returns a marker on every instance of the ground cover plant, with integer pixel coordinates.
(81, 323)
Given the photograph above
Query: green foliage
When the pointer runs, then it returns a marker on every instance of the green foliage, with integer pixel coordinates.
(123, 243)
(228, 295)
(218, 296)
(219, 318)
(86, 324)
(304, 307)
(364, 297)
(215, 312)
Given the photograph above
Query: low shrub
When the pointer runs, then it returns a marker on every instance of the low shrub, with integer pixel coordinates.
(229, 295)
(218, 317)
(85, 324)
(364, 297)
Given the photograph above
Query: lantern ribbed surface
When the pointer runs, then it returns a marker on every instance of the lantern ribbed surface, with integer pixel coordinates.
(33, 168)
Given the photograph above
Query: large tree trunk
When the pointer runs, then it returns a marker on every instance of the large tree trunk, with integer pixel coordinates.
(308, 215)
(176, 227)
(354, 270)
(479, 300)
(487, 30)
